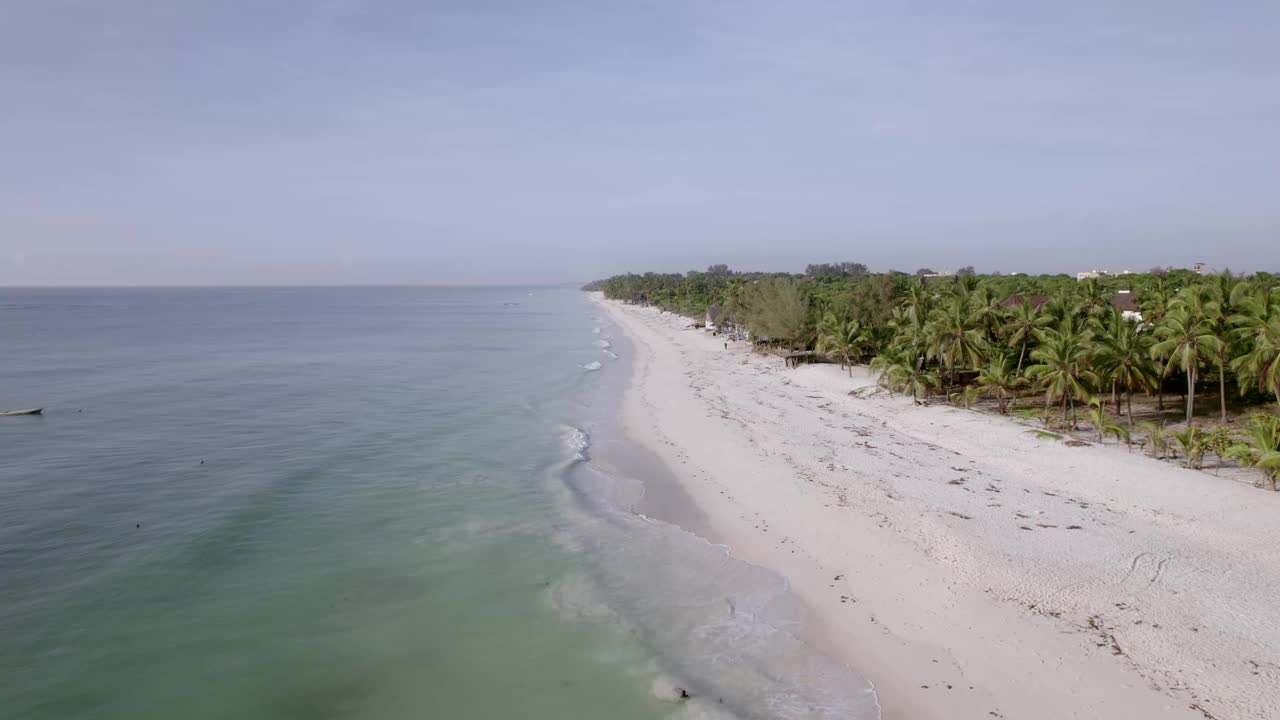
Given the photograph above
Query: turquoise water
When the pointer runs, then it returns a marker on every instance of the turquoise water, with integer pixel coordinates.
(353, 503)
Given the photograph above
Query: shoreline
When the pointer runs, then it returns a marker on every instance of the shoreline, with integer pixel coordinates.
(965, 567)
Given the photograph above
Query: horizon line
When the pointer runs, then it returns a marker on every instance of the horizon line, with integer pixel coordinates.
(269, 286)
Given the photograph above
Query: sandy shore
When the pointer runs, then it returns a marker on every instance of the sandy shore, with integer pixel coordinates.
(968, 568)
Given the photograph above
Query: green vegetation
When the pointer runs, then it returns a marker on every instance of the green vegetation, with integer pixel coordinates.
(1158, 437)
(966, 336)
(1262, 447)
(1103, 425)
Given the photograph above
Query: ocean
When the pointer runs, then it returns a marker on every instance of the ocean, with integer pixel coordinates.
(360, 503)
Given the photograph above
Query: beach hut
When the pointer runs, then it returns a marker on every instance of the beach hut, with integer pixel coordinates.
(1127, 303)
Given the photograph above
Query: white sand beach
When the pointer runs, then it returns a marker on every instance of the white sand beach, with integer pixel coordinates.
(967, 567)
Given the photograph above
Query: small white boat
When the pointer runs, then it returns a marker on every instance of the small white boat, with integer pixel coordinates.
(32, 411)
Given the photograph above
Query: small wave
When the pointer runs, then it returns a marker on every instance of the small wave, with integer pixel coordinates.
(595, 330)
(730, 640)
(611, 354)
(577, 441)
(593, 365)
(602, 343)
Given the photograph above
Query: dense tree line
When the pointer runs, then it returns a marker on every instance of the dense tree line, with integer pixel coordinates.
(1017, 336)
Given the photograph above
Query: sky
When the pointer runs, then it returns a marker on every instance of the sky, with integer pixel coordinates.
(161, 142)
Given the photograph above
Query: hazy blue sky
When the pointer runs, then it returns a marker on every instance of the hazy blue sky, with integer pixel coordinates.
(353, 141)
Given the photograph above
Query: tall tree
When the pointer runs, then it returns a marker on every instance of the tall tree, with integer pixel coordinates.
(1022, 326)
(1184, 341)
(1062, 366)
(1122, 352)
(1220, 307)
(1094, 299)
(842, 337)
(1257, 324)
(954, 339)
(997, 379)
(988, 313)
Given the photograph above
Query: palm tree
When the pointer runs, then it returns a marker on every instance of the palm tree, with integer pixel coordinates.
(1262, 449)
(1158, 436)
(1123, 353)
(1107, 323)
(997, 379)
(1062, 368)
(1024, 323)
(1258, 324)
(954, 339)
(1093, 298)
(918, 302)
(1224, 292)
(1103, 425)
(1184, 340)
(1218, 319)
(908, 322)
(914, 379)
(891, 364)
(828, 327)
(841, 337)
(1060, 307)
(988, 313)
(1190, 440)
(1155, 306)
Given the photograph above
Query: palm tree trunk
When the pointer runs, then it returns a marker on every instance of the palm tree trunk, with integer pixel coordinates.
(1023, 354)
(1191, 397)
(1115, 399)
(1128, 399)
(1222, 387)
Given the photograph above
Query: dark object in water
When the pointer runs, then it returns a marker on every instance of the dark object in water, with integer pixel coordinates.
(684, 694)
(32, 411)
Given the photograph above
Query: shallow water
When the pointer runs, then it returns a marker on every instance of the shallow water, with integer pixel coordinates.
(350, 503)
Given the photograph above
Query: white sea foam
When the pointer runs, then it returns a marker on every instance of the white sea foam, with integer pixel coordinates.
(602, 343)
(665, 687)
(596, 330)
(577, 441)
(611, 354)
(593, 365)
(723, 628)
